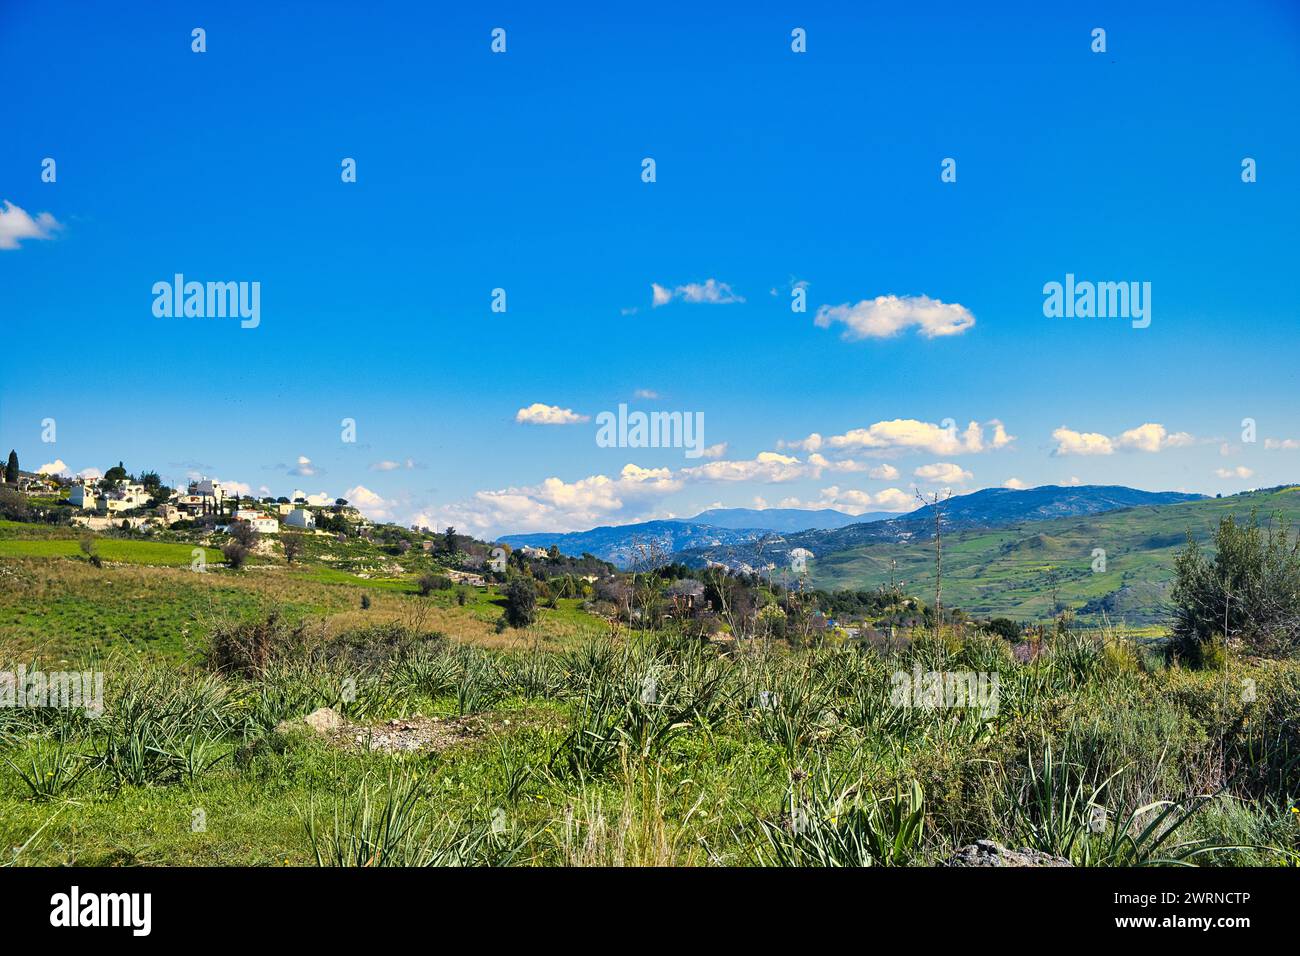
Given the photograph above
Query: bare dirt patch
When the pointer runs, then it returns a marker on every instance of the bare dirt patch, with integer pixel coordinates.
(400, 735)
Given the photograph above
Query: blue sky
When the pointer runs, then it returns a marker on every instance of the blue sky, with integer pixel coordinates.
(522, 171)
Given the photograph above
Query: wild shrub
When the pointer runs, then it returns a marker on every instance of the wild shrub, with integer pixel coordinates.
(830, 826)
(386, 823)
(428, 583)
(246, 648)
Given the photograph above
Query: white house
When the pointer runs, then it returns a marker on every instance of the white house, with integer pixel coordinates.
(83, 494)
(262, 523)
(300, 518)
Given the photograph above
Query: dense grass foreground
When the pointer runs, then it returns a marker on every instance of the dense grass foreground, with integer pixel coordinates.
(654, 749)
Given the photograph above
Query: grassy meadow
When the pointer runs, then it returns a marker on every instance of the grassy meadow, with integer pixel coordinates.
(576, 741)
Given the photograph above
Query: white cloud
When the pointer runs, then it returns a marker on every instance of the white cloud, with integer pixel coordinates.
(943, 473)
(854, 501)
(715, 451)
(56, 467)
(16, 225)
(304, 468)
(1283, 444)
(1070, 442)
(894, 499)
(711, 292)
(1015, 484)
(767, 466)
(1148, 437)
(1241, 471)
(908, 434)
(320, 498)
(648, 394)
(408, 465)
(887, 315)
(820, 463)
(370, 504)
(540, 414)
(90, 473)
(1152, 437)
(556, 505)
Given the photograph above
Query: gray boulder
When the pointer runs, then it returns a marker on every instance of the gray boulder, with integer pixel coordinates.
(992, 853)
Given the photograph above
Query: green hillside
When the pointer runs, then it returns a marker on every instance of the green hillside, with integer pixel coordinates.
(1029, 571)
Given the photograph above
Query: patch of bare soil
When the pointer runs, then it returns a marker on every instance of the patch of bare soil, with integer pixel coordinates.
(402, 735)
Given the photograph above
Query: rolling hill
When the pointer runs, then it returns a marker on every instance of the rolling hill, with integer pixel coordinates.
(1031, 569)
(989, 508)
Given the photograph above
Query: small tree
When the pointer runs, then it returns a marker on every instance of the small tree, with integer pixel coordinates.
(243, 538)
(13, 506)
(91, 552)
(292, 547)
(235, 554)
(1248, 593)
(521, 602)
(449, 540)
(11, 468)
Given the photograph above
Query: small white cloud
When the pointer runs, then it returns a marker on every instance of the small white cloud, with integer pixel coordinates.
(715, 451)
(767, 466)
(1150, 437)
(887, 315)
(1281, 444)
(387, 465)
(370, 504)
(854, 501)
(1241, 471)
(943, 473)
(320, 498)
(908, 434)
(16, 225)
(1014, 483)
(56, 467)
(710, 292)
(540, 414)
(648, 394)
(1071, 442)
(92, 474)
(303, 468)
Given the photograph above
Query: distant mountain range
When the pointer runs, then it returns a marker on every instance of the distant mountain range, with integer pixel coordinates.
(990, 508)
(746, 536)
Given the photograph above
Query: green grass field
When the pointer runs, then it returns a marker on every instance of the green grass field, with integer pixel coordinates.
(109, 549)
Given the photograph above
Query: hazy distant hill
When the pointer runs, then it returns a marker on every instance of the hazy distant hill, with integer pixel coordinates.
(625, 544)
